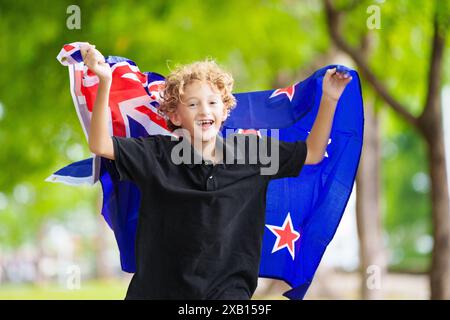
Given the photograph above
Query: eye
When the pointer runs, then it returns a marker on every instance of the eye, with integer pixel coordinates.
(192, 105)
(213, 102)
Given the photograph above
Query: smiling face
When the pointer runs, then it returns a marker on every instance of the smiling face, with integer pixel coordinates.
(201, 111)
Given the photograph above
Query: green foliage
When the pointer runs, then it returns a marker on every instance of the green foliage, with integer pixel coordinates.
(39, 129)
(255, 40)
(399, 55)
(406, 196)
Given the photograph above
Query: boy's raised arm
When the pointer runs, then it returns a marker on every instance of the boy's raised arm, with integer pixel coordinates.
(333, 86)
(100, 141)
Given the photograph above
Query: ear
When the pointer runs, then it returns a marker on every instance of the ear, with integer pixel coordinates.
(175, 118)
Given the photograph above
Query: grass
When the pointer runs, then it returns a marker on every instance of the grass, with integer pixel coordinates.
(92, 290)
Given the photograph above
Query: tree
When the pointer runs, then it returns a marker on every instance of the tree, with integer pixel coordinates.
(428, 124)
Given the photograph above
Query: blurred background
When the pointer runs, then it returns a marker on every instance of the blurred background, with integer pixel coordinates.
(393, 241)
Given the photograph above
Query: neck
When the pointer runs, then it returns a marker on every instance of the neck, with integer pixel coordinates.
(208, 149)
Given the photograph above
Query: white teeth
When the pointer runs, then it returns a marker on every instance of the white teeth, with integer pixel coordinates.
(202, 122)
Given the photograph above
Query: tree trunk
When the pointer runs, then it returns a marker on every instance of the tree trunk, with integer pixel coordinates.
(429, 123)
(440, 265)
(372, 257)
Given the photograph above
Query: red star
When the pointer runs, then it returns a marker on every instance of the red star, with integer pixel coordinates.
(250, 131)
(286, 236)
(289, 91)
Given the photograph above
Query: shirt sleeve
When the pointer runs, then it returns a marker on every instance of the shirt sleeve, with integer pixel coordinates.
(292, 157)
(133, 157)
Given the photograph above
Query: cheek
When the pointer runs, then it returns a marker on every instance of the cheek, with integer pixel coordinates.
(224, 114)
(221, 111)
(189, 116)
(179, 118)
(184, 115)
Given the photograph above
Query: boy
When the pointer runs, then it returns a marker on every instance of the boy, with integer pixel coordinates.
(200, 225)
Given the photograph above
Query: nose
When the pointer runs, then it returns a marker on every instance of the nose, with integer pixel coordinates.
(205, 108)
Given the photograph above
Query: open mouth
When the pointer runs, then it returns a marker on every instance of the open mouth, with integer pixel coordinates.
(205, 124)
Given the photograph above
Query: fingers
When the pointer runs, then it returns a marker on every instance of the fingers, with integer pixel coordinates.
(91, 56)
(339, 75)
(343, 75)
(84, 47)
(330, 72)
(97, 55)
(100, 57)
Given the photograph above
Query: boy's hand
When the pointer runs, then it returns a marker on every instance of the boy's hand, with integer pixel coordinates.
(95, 61)
(334, 83)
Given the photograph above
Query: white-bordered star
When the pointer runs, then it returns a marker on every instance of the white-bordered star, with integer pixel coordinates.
(250, 131)
(286, 236)
(288, 91)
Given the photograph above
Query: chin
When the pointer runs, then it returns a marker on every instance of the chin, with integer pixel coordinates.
(206, 135)
(209, 135)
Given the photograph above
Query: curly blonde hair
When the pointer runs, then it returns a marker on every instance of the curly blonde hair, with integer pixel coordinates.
(175, 83)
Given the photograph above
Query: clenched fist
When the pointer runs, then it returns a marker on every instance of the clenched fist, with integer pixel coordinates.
(95, 61)
(334, 83)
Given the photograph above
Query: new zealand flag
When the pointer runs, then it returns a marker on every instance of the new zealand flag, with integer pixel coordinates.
(302, 213)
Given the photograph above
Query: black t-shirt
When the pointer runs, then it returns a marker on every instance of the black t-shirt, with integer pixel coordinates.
(200, 226)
